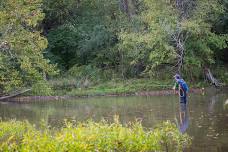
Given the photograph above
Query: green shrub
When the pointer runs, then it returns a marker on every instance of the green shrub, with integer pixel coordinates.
(91, 136)
(80, 72)
(42, 88)
(221, 74)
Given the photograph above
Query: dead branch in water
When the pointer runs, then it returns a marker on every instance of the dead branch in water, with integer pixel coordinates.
(14, 95)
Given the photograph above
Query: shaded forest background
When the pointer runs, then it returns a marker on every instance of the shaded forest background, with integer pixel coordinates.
(102, 40)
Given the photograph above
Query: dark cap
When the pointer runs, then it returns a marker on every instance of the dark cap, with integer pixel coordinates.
(177, 76)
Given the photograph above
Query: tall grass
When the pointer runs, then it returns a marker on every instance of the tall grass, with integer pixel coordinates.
(107, 87)
(91, 136)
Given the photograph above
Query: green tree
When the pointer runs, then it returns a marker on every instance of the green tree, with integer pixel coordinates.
(135, 37)
(87, 37)
(178, 32)
(221, 27)
(21, 44)
(58, 12)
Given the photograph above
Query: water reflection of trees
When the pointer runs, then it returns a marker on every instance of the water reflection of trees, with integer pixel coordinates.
(150, 111)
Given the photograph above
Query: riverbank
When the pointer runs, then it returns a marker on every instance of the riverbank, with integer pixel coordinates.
(63, 90)
(114, 87)
(26, 99)
(133, 87)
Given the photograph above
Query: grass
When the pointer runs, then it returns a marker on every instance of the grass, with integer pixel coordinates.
(84, 85)
(91, 136)
(108, 87)
(114, 87)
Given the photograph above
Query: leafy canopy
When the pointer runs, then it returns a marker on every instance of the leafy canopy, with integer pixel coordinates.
(21, 44)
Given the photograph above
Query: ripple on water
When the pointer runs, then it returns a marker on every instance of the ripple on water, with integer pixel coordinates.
(209, 127)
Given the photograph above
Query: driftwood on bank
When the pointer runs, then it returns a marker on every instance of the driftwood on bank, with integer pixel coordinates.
(209, 76)
(14, 95)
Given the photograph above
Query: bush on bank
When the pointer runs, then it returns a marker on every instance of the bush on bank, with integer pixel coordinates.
(91, 136)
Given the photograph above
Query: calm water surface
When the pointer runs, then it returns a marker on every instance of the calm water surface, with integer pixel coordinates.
(204, 118)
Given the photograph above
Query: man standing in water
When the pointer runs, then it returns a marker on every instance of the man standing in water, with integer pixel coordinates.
(182, 86)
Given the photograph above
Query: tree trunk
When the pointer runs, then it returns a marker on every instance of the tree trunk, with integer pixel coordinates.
(128, 7)
(124, 6)
(183, 7)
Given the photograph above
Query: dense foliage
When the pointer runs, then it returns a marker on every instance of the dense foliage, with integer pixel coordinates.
(137, 37)
(91, 136)
(109, 39)
(180, 34)
(21, 44)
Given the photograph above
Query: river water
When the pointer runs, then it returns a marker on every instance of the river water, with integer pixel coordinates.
(204, 118)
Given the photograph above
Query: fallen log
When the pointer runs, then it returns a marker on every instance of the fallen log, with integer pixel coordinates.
(14, 95)
(209, 76)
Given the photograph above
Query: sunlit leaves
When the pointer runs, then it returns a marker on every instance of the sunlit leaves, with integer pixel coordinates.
(25, 45)
(92, 136)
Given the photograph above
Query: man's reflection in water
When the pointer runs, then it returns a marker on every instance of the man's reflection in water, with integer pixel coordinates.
(184, 118)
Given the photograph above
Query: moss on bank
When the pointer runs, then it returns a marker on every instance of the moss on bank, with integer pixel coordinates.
(91, 136)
